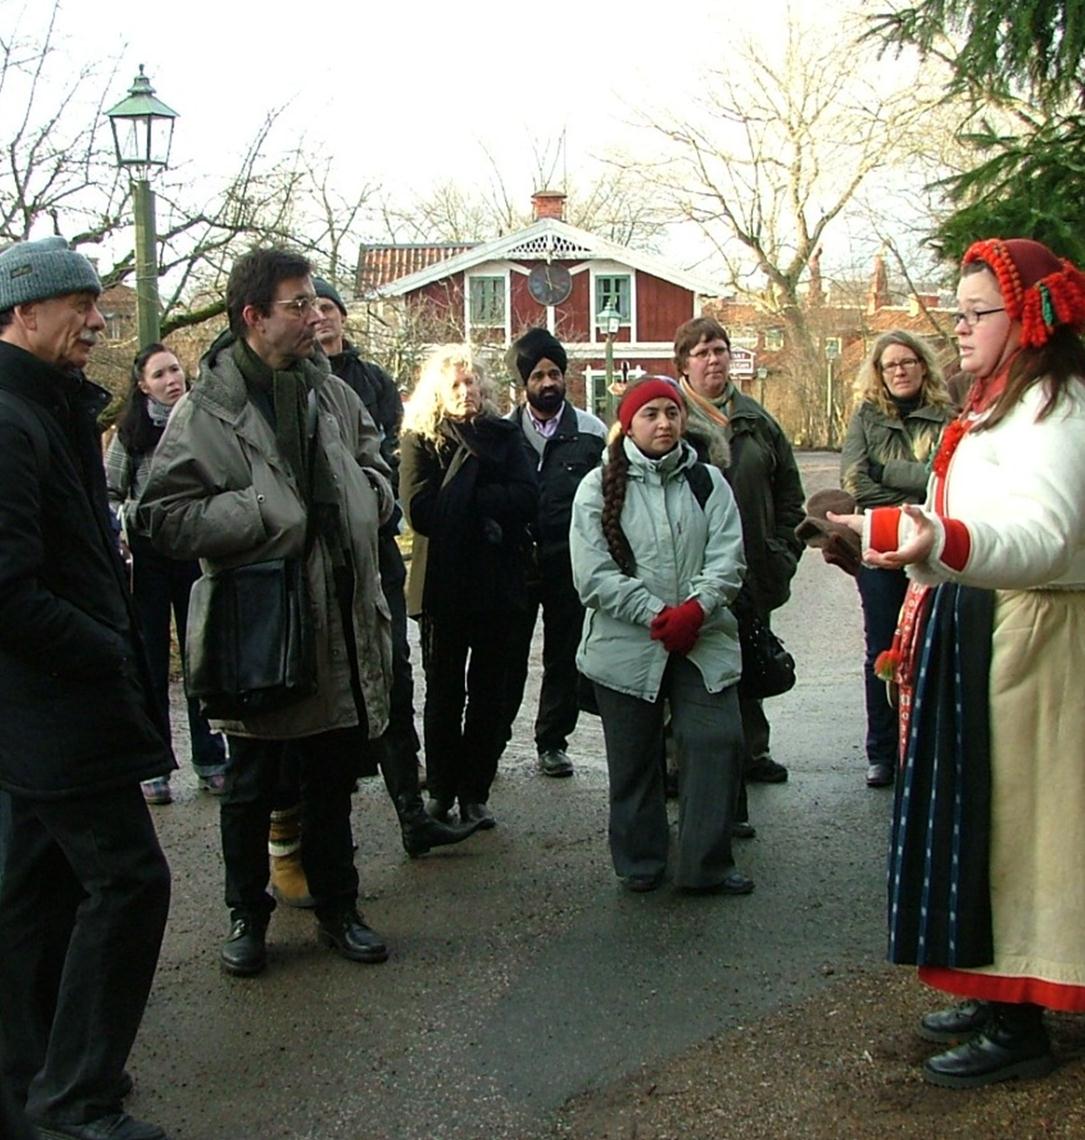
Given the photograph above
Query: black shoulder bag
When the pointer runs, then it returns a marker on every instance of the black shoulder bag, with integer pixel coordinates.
(250, 646)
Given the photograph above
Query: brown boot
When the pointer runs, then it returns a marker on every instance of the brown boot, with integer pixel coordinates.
(288, 882)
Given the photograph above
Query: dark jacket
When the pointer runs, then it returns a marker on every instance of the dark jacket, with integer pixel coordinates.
(378, 391)
(568, 455)
(469, 505)
(884, 461)
(75, 700)
(768, 490)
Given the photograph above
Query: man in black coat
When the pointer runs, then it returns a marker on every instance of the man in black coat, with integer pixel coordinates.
(564, 444)
(85, 893)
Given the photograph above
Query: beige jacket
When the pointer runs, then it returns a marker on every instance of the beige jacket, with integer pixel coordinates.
(218, 490)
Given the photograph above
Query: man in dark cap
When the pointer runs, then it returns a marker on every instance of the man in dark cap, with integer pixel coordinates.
(565, 443)
(86, 887)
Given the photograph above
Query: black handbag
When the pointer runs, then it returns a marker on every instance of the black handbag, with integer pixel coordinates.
(250, 646)
(767, 668)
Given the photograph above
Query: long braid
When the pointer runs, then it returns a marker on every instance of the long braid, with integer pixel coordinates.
(615, 479)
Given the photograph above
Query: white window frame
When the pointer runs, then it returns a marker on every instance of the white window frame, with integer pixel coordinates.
(470, 321)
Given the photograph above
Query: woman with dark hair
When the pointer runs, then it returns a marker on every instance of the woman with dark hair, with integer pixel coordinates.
(159, 584)
(902, 406)
(987, 864)
(656, 547)
(468, 492)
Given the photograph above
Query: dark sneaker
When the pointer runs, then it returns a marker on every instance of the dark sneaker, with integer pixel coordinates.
(115, 1126)
(765, 770)
(555, 762)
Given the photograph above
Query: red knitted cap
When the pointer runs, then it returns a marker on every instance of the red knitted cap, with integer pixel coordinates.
(639, 394)
(1040, 290)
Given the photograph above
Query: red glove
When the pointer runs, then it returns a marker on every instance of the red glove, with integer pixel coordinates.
(678, 626)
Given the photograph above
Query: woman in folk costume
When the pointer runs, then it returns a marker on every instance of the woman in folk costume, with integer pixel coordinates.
(987, 865)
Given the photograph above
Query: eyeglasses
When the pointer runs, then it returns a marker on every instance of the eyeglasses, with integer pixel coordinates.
(707, 351)
(907, 364)
(972, 317)
(299, 306)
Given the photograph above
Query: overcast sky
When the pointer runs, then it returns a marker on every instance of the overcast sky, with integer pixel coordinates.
(403, 92)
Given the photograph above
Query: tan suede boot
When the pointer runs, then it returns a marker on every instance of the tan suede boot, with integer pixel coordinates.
(288, 883)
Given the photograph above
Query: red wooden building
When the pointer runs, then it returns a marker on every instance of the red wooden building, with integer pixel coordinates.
(550, 274)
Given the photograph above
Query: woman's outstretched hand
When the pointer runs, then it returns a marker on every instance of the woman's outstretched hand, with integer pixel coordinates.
(916, 548)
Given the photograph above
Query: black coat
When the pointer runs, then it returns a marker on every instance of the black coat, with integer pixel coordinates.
(75, 699)
(568, 455)
(469, 505)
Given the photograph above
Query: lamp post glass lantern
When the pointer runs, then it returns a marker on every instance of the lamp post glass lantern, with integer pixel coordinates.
(608, 320)
(142, 128)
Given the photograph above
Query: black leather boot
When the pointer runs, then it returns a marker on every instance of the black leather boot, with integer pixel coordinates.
(347, 933)
(951, 1026)
(1013, 1044)
(421, 831)
(245, 951)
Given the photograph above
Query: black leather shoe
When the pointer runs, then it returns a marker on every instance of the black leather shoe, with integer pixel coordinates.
(478, 814)
(421, 831)
(348, 935)
(951, 1026)
(115, 1126)
(640, 884)
(734, 883)
(245, 951)
(765, 770)
(879, 775)
(555, 762)
(1013, 1045)
(743, 829)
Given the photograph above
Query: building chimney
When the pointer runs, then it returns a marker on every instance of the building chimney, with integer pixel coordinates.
(878, 294)
(548, 204)
(816, 293)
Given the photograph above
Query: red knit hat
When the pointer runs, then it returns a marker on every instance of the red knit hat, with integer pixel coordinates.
(1040, 290)
(637, 395)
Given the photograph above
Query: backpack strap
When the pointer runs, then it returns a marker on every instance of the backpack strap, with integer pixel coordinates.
(700, 482)
(33, 429)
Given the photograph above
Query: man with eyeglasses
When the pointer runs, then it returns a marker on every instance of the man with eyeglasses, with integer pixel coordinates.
(239, 477)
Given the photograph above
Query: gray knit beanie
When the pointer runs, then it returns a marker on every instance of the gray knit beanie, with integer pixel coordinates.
(327, 291)
(38, 270)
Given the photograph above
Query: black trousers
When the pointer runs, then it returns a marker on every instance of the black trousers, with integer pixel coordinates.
(563, 620)
(467, 661)
(326, 766)
(82, 911)
(161, 585)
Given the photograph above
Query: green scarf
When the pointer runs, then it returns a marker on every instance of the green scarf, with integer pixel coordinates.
(282, 397)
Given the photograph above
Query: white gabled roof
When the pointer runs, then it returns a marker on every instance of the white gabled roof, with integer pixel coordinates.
(546, 238)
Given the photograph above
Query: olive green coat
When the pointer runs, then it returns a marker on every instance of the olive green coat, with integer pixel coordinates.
(884, 461)
(219, 490)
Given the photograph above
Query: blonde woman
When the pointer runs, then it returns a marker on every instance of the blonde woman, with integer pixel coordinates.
(468, 492)
(901, 407)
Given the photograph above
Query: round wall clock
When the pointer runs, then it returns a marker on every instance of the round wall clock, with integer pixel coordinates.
(549, 284)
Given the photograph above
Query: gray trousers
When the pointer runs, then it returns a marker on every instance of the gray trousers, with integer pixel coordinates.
(707, 731)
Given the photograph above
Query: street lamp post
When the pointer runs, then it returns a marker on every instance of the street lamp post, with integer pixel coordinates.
(609, 320)
(142, 134)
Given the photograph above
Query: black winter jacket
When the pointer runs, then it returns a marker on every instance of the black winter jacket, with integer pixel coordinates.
(568, 455)
(469, 508)
(74, 689)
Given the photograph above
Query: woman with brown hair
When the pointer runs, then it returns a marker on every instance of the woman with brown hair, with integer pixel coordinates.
(902, 406)
(987, 863)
